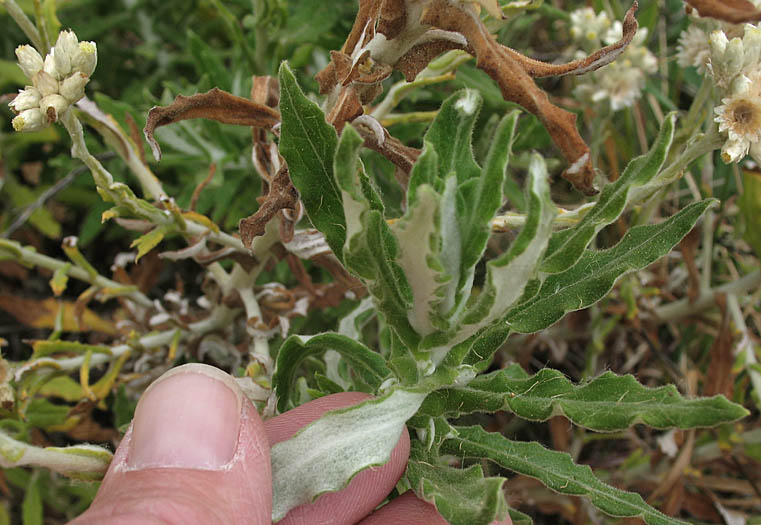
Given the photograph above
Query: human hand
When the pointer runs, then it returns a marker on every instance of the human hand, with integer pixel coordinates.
(198, 452)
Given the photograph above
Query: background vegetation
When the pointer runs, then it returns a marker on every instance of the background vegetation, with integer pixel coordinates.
(151, 51)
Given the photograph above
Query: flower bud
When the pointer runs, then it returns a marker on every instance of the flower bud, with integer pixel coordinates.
(741, 84)
(27, 98)
(751, 45)
(29, 60)
(65, 49)
(46, 83)
(73, 87)
(734, 151)
(733, 57)
(85, 59)
(29, 120)
(53, 106)
(718, 42)
(49, 66)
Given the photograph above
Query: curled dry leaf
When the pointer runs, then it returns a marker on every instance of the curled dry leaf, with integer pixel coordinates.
(214, 105)
(412, 33)
(378, 139)
(282, 195)
(598, 59)
(43, 313)
(732, 11)
(517, 86)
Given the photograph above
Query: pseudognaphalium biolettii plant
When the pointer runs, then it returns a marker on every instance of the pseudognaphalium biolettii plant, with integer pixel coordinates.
(438, 325)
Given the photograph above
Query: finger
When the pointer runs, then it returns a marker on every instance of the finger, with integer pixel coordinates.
(196, 453)
(408, 509)
(365, 491)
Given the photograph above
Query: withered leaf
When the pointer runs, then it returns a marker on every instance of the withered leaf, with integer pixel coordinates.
(393, 16)
(416, 59)
(517, 86)
(281, 195)
(214, 105)
(42, 314)
(596, 60)
(732, 11)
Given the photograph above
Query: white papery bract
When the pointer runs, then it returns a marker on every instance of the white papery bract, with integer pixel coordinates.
(58, 81)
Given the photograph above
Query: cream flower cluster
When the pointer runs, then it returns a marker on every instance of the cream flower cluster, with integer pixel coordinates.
(693, 49)
(58, 81)
(622, 81)
(735, 65)
(587, 27)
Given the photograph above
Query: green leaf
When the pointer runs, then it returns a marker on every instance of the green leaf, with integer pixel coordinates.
(567, 246)
(206, 60)
(324, 455)
(592, 277)
(368, 364)
(146, 242)
(42, 218)
(483, 194)
(507, 275)
(31, 507)
(60, 279)
(308, 144)
(462, 496)
(750, 209)
(42, 413)
(451, 134)
(606, 403)
(123, 408)
(554, 469)
(519, 518)
(418, 234)
(11, 74)
(371, 250)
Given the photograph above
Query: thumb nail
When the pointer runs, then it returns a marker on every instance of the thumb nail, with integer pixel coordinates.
(188, 418)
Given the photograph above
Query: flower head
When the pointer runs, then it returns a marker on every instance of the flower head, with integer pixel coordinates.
(739, 116)
(622, 81)
(693, 49)
(588, 27)
(735, 65)
(58, 81)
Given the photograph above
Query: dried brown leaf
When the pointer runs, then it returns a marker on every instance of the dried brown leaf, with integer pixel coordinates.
(517, 86)
(42, 314)
(214, 105)
(347, 108)
(416, 59)
(265, 90)
(720, 379)
(596, 60)
(392, 18)
(281, 195)
(732, 11)
(688, 246)
(403, 157)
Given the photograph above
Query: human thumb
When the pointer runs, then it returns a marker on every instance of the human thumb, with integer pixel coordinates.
(196, 452)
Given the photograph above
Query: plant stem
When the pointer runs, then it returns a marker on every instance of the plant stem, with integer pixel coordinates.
(25, 24)
(745, 345)
(28, 256)
(564, 218)
(706, 299)
(221, 317)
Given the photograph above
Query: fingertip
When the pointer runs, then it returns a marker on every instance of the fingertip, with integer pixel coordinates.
(196, 451)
